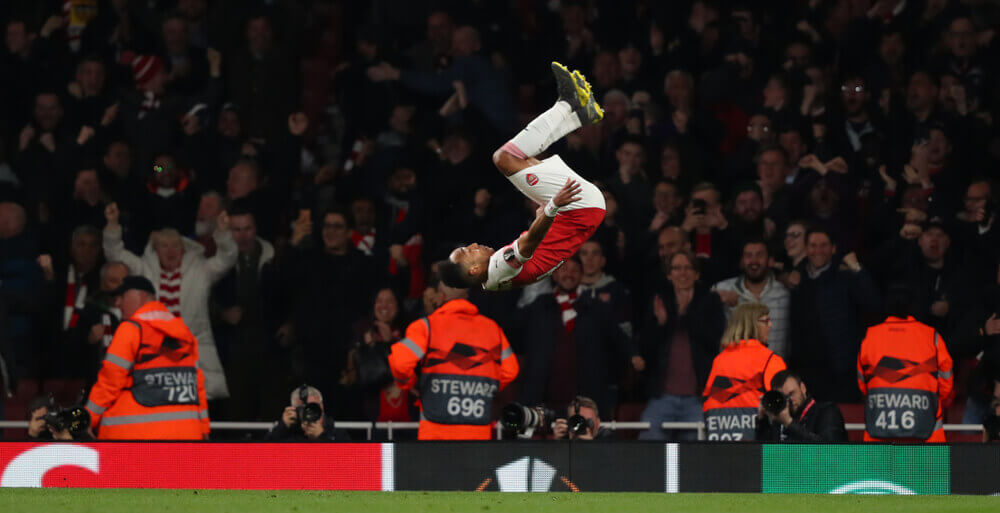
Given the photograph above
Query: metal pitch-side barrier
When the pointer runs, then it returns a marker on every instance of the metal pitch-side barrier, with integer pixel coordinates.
(390, 427)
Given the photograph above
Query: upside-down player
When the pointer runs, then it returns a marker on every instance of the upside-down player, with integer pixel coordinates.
(572, 208)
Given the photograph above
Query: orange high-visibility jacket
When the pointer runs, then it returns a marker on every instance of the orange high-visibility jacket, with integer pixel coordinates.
(905, 372)
(741, 373)
(149, 386)
(462, 359)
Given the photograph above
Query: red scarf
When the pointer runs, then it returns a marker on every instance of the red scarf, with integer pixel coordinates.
(363, 243)
(170, 291)
(150, 102)
(75, 297)
(566, 308)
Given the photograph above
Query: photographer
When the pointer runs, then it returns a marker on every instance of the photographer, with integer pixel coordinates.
(582, 422)
(46, 421)
(303, 421)
(802, 418)
(38, 408)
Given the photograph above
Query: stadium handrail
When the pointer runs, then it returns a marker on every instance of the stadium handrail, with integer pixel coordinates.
(389, 427)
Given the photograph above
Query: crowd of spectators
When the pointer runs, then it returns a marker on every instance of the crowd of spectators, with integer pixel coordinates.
(285, 171)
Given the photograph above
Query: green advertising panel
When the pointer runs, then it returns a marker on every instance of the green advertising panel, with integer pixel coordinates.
(855, 469)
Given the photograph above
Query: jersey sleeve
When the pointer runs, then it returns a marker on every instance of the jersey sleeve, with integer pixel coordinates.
(504, 265)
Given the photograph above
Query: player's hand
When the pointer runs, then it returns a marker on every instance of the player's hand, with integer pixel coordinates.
(111, 214)
(568, 194)
(288, 417)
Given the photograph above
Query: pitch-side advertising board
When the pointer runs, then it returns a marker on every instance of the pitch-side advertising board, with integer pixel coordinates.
(509, 467)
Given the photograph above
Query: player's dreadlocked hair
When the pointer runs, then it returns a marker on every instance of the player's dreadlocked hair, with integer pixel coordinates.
(452, 275)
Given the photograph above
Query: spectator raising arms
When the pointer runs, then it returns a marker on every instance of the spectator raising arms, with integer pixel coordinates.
(183, 278)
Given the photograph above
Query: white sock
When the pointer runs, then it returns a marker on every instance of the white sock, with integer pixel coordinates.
(546, 129)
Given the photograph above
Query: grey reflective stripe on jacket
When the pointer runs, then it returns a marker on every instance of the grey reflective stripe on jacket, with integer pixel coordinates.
(508, 352)
(150, 417)
(118, 360)
(95, 408)
(412, 346)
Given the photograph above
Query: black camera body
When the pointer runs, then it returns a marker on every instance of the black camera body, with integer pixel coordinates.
(520, 419)
(74, 419)
(699, 205)
(774, 402)
(307, 412)
(578, 424)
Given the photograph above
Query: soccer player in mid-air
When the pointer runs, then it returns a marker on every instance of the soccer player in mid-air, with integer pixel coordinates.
(572, 208)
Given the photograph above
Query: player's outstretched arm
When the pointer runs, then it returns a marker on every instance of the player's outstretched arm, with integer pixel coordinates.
(544, 217)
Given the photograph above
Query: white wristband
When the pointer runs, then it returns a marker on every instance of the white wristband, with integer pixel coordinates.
(551, 209)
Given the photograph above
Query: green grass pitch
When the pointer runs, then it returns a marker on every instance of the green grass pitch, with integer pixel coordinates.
(222, 501)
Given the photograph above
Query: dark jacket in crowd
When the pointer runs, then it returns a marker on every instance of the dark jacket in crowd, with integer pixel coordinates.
(599, 341)
(820, 422)
(704, 322)
(900, 260)
(324, 296)
(827, 329)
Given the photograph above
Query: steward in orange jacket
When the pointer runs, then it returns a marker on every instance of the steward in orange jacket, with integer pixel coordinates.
(905, 372)
(740, 375)
(462, 359)
(149, 386)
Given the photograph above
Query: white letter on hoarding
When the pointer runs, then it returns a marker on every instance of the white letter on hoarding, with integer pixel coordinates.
(29, 467)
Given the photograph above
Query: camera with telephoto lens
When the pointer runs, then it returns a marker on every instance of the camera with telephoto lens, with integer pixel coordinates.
(578, 424)
(774, 402)
(307, 412)
(520, 419)
(73, 419)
